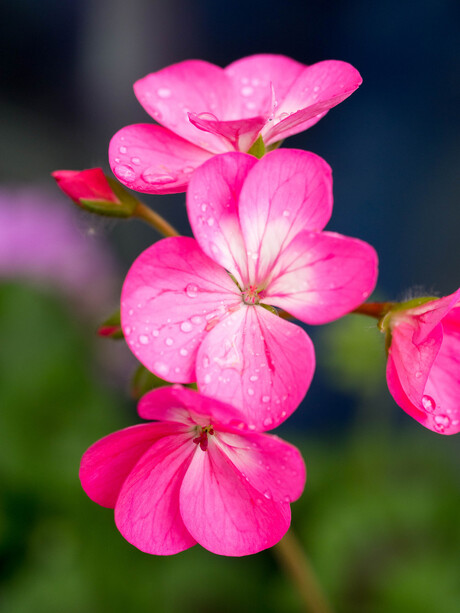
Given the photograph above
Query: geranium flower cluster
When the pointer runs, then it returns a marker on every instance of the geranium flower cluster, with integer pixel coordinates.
(213, 309)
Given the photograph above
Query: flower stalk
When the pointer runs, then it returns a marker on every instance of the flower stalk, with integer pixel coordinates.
(296, 564)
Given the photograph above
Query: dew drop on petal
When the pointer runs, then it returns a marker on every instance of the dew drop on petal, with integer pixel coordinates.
(265, 399)
(247, 91)
(152, 177)
(164, 92)
(125, 172)
(186, 326)
(428, 403)
(155, 332)
(191, 290)
(441, 422)
(253, 378)
(161, 368)
(143, 339)
(268, 421)
(183, 351)
(418, 374)
(127, 330)
(207, 378)
(268, 495)
(169, 341)
(197, 320)
(286, 213)
(136, 161)
(251, 391)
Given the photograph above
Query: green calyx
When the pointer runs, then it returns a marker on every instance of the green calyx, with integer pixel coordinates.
(258, 148)
(124, 208)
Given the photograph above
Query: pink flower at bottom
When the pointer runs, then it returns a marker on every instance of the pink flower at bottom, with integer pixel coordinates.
(423, 369)
(197, 475)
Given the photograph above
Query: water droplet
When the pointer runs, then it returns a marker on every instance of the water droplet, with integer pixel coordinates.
(136, 161)
(123, 149)
(428, 404)
(253, 378)
(188, 170)
(183, 352)
(268, 421)
(210, 221)
(169, 341)
(143, 339)
(125, 172)
(283, 413)
(197, 320)
(268, 495)
(250, 392)
(265, 399)
(152, 177)
(161, 368)
(164, 92)
(207, 378)
(418, 374)
(286, 213)
(316, 88)
(287, 499)
(247, 91)
(127, 330)
(191, 290)
(441, 422)
(155, 332)
(186, 326)
(204, 206)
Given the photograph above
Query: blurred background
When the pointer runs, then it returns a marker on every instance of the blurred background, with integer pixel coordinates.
(379, 516)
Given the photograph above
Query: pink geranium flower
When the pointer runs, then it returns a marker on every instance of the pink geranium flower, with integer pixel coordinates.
(196, 475)
(187, 319)
(90, 184)
(204, 109)
(423, 369)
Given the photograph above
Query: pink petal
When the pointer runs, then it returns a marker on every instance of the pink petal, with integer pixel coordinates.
(443, 386)
(240, 133)
(212, 206)
(272, 466)
(428, 315)
(173, 294)
(223, 512)
(322, 276)
(191, 86)
(286, 192)
(255, 77)
(151, 159)
(106, 464)
(147, 510)
(317, 89)
(183, 405)
(258, 362)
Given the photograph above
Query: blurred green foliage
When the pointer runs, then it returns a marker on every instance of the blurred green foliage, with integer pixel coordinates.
(379, 516)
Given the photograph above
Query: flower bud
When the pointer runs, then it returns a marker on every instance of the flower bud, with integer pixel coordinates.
(93, 191)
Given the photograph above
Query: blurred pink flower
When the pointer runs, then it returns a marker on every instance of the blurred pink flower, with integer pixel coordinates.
(185, 318)
(196, 475)
(40, 241)
(423, 369)
(204, 110)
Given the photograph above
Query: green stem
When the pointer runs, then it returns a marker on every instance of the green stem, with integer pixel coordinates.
(373, 309)
(153, 219)
(298, 567)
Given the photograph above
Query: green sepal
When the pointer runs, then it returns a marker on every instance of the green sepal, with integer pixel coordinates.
(258, 148)
(124, 208)
(384, 323)
(111, 327)
(269, 308)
